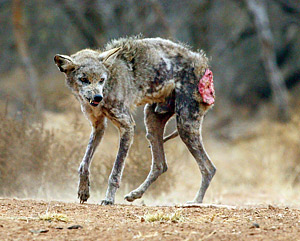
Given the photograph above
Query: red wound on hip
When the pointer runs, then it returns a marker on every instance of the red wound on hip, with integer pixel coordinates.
(206, 88)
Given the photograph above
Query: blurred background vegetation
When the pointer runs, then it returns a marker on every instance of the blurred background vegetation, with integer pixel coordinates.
(254, 48)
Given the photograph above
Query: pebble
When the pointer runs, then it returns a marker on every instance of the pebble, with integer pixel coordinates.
(39, 231)
(75, 227)
(255, 225)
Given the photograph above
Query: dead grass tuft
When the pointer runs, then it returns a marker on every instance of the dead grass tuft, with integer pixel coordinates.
(54, 217)
(161, 216)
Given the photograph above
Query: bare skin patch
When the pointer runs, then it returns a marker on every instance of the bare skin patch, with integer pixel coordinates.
(206, 87)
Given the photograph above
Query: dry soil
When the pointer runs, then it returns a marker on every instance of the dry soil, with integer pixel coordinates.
(37, 219)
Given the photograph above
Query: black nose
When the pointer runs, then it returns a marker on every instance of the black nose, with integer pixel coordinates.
(98, 98)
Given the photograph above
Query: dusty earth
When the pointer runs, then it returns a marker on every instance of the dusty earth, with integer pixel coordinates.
(36, 219)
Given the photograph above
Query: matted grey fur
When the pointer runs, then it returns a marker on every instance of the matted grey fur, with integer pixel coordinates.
(136, 71)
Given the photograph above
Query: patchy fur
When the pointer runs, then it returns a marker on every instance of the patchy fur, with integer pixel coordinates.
(136, 71)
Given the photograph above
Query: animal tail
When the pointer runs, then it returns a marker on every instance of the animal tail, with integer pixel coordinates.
(171, 136)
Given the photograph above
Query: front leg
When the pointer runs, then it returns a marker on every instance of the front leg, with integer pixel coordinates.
(125, 123)
(95, 138)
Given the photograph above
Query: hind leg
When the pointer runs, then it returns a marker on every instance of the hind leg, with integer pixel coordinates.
(155, 124)
(189, 116)
(190, 133)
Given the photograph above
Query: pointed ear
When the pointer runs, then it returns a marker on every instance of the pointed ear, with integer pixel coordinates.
(64, 63)
(109, 54)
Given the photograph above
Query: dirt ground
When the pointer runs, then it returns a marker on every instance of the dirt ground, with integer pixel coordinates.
(36, 219)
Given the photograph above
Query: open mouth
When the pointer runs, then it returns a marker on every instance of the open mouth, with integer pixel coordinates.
(92, 102)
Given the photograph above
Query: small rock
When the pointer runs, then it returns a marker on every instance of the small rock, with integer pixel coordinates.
(255, 225)
(75, 227)
(39, 231)
(142, 219)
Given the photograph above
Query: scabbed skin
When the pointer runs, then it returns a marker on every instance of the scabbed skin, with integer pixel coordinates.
(206, 87)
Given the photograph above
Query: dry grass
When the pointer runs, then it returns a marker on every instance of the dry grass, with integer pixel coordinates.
(54, 217)
(161, 216)
(32, 161)
(40, 158)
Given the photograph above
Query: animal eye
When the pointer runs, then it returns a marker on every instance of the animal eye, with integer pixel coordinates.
(84, 80)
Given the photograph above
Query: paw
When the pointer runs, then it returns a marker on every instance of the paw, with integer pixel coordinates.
(83, 196)
(133, 195)
(106, 202)
(83, 188)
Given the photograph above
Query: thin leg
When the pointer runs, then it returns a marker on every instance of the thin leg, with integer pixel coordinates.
(155, 124)
(189, 116)
(126, 127)
(190, 132)
(95, 138)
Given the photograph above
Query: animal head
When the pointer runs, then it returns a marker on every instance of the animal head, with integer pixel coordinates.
(86, 73)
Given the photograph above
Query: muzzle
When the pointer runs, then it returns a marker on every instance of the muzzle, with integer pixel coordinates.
(96, 100)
